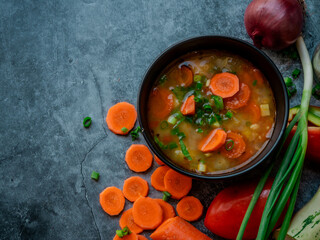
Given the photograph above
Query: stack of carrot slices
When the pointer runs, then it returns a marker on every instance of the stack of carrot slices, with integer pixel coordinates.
(147, 213)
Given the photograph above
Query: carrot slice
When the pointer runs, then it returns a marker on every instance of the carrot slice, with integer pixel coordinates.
(253, 112)
(177, 184)
(112, 200)
(190, 208)
(215, 139)
(189, 106)
(185, 77)
(236, 145)
(167, 208)
(158, 160)
(141, 237)
(178, 229)
(134, 187)
(157, 178)
(131, 236)
(139, 158)
(126, 220)
(258, 76)
(147, 213)
(240, 99)
(224, 84)
(160, 102)
(121, 116)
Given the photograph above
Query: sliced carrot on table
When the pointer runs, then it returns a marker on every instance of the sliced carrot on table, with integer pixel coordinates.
(131, 236)
(235, 146)
(112, 200)
(157, 178)
(240, 99)
(147, 213)
(177, 184)
(158, 160)
(178, 229)
(167, 208)
(224, 84)
(253, 112)
(139, 158)
(126, 220)
(189, 106)
(215, 139)
(134, 187)
(185, 77)
(189, 208)
(141, 237)
(121, 118)
(160, 102)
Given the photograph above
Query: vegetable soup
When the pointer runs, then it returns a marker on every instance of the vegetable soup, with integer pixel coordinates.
(211, 111)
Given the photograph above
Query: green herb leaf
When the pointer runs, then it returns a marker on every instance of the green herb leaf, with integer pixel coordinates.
(218, 102)
(229, 145)
(160, 144)
(124, 129)
(135, 133)
(87, 122)
(95, 175)
(172, 145)
(166, 196)
(229, 114)
(296, 73)
(199, 130)
(199, 86)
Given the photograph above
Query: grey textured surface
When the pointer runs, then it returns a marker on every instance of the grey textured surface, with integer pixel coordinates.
(61, 61)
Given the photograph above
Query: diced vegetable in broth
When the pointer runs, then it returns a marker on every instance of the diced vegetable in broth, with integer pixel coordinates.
(243, 111)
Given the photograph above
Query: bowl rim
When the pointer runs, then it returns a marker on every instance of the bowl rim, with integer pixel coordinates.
(230, 174)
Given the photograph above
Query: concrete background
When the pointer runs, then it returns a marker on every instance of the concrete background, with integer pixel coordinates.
(61, 61)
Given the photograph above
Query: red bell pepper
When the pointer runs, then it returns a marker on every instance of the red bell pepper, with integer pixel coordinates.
(226, 212)
(313, 148)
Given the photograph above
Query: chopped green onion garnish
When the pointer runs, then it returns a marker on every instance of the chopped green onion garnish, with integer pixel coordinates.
(172, 120)
(188, 119)
(291, 87)
(199, 130)
(199, 86)
(254, 83)
(296, 73)
(197, 78)
(160, 144)
(87, 122)
(218, 102)
(316, 91)
(288, 81)
(184, 150)
(164, 124)
(124, 129)
(135, 133)
(121, 233)
(175, 131)
(212, 120)
(229, 145)
(207, 107)
(166, 196)
(181, 135)
(163, 79)
(95, 175)
(229, 114)
(172, 145)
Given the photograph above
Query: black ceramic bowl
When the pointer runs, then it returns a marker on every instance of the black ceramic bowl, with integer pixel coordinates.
(236, 46)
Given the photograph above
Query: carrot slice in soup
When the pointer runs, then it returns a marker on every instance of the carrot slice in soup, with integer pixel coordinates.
(121, 116)
(253, 112)
(134, 187)
(177, 184)
(190, 208)
(185, 76)
(189, 106)
(141, 237)
(158, 160)
(160, 102)
(138, 158)
(240, 99)
(178, 229)
(112, 200)
(157, 178)
(131, 236)
(257, 76)
(215, 139)
(224, 84)
(167, 208)
(147, 213)
(235, 145)
(126, 220)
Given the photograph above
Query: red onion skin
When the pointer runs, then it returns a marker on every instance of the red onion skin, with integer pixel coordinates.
(274, 24)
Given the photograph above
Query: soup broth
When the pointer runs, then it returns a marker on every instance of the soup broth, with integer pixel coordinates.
(211, 111)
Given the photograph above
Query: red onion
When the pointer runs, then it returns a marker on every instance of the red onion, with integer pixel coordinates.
(274, 24)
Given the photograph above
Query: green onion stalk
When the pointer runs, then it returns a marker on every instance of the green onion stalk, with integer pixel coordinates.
(286, 182)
